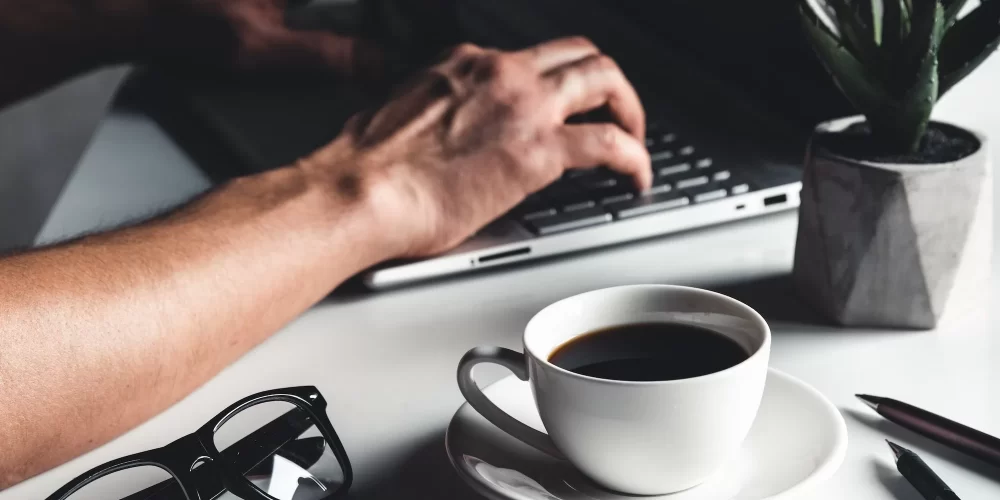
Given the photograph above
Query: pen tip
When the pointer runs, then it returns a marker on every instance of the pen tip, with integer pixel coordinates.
(871, 401)
(897, 450)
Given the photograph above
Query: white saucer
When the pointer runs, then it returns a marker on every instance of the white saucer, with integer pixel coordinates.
(797, 440)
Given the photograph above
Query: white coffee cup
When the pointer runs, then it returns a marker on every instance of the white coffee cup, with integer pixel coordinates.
(643, 438)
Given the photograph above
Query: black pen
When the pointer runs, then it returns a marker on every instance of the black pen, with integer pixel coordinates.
(920, 476)
(947, 432)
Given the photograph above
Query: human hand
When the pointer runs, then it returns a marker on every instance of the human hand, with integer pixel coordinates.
(238, 35)
(473, 136)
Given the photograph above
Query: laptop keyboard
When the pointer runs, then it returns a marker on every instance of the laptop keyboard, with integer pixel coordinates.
(683, 175)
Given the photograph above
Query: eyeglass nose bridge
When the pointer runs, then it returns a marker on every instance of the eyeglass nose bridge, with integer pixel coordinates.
(201, 478)
(205, 477)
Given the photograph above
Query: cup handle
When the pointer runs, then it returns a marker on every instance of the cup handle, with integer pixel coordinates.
(513, 361)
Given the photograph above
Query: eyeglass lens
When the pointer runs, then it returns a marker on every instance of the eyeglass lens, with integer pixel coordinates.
(136, 482)
(297, 462)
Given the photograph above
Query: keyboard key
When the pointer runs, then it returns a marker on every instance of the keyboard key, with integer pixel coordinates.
(740, 188)
(721, 175)
(660, 188)
(686, 151)
(658, 142)
(532, 203)
(692, 182)
(662, 184)
(579, 206)
(570, 220)
(648, 204)
(704, 163)
(598, 182)
(617, 198)
(655, 130)
(545, 212)
(623, 186)
(564, 193)
(662, 155)
(660, 132)
(673, 169)
(705, 193)
(576, 173)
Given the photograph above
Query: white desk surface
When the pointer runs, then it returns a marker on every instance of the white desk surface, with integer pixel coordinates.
(386, 362)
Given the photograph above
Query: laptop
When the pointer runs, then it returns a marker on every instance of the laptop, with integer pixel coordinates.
(726, 131)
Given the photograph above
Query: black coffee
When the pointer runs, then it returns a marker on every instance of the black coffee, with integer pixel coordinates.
(649, 352)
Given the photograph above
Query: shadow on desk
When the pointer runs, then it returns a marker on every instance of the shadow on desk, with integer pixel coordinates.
(894, 482)
(423, 474)
(775, 298)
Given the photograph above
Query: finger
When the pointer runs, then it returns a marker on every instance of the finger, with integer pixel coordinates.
(593, 144)
(458, 56)
(550, 55)
(316, 50)
(458, 64)
(410, 114)
(597, 81)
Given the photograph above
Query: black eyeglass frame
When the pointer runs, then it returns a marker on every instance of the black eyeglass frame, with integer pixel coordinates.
(180, 457)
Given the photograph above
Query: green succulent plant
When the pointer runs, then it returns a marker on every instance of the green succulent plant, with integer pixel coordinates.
(893, 59)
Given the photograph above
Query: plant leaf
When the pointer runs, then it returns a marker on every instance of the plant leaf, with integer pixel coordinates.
(892, 26)
(855, 34)
(906, 19)
(848, 73)
(829, 15)
(914, 107)
(870, 12)
(923, 42)
(951, 10)
(968, 43)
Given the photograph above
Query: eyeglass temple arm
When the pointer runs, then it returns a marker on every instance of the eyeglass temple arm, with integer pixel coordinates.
(243, 455)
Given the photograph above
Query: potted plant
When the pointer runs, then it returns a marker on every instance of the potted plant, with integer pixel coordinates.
(888, 197)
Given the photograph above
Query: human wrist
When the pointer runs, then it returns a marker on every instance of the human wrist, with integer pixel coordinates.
(352, 210)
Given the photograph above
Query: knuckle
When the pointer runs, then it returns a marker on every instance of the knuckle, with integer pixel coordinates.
(582, 42)
(496, 67)
(508, 90)
(604, 63)
(607, 136)
(561, 80)
(463, 50)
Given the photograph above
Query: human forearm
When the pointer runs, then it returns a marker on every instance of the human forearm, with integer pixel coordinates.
(100, 334)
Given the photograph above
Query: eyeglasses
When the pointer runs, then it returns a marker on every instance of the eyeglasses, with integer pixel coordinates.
(274, 445)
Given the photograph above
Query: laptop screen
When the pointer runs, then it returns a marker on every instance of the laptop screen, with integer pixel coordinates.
(756, 48)
(756, 45)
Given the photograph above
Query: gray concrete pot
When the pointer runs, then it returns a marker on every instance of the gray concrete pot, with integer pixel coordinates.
(879, 244)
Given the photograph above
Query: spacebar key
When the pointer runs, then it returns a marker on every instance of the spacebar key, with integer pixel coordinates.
(574, 219)
(648, 204)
